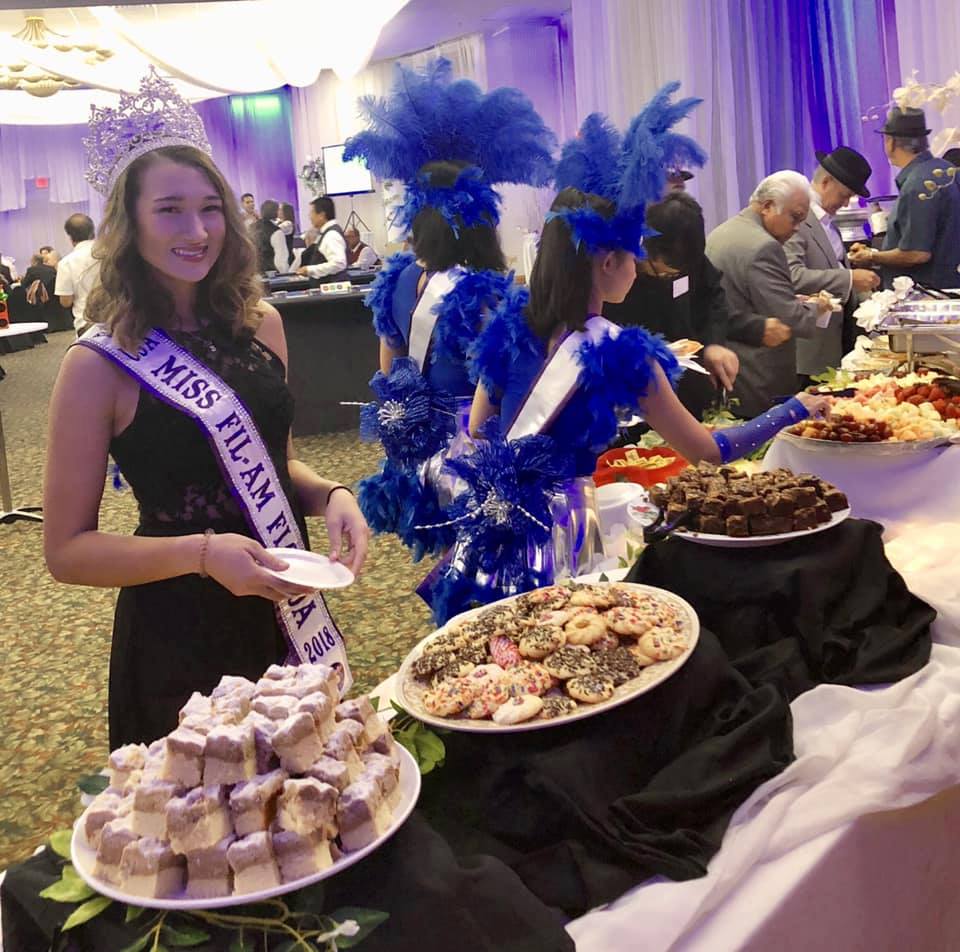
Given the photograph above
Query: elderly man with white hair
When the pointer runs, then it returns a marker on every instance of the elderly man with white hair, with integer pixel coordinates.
(766, 316)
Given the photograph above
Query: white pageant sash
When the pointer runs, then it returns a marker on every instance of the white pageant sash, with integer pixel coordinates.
(424, 318)
(178, 378)
(558, 380)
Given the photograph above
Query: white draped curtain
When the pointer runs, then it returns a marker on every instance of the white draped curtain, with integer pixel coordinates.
(624, 51)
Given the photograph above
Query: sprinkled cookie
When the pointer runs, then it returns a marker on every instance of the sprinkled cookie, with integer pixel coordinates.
(518, 709)
(629, 622)
(618, 664)
(431, 661)
(590, 688)
(607, 643)
(592, 596)
(570, 661)
(492, 695)
(541, 641)
(663, 644)
(585, 629)
(557, 706)
(529, 678)
(449, 698)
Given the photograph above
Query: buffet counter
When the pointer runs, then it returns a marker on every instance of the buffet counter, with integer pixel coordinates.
(333, 354)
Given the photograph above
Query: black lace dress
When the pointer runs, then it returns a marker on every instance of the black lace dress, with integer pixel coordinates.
(180, 635)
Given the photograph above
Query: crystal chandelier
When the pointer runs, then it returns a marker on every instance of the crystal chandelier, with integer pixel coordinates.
(40, 82)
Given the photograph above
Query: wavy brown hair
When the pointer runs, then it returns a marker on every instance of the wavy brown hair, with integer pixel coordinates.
(130, 300)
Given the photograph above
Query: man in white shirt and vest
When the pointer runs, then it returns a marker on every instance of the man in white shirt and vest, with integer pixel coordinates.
(78, 271)
(326, 259)
(817, 259)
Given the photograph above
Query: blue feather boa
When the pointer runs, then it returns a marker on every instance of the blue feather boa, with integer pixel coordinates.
(506, 335)
(624, 231)
(460, 315)
(384, 286)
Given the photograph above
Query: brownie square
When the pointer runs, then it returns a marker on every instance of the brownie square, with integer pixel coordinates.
(822, 511)
(780, 524)
(738, 526)
(732, 507)
(779, 504)
(805, 496)
(714, 525)
(659, 495)
(753, 506)
(761, 525)
(675, 511)
(695, 499)
(713, 505)
(835, 500)
(804, 519)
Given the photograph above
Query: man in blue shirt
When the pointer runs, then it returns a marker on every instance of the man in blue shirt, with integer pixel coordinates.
(923, 232)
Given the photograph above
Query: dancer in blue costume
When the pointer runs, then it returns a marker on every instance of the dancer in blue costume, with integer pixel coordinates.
(449, 143)
(554, 376)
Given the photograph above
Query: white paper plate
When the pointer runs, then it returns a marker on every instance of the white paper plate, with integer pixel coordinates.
(311, 569)
(409, 689)
(84, 856)
(756, 542)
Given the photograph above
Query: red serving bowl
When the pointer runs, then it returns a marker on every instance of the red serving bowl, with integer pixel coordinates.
(606, 472)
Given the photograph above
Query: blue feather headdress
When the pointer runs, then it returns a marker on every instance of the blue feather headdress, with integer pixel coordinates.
(629, 171)
(430, 117)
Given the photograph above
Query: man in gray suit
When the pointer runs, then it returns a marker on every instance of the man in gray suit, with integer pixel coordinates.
(817, 259)
(765, 314)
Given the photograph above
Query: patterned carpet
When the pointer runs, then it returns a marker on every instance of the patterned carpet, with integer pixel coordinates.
(56, 638)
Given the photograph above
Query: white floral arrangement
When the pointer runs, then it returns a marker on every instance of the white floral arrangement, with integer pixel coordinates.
(313, 176)
(916, 95)
(871, 314)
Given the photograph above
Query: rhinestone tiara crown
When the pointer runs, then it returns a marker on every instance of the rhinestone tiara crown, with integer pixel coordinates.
(154, 117)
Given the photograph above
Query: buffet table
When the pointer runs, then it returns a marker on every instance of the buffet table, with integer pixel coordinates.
(332, 356)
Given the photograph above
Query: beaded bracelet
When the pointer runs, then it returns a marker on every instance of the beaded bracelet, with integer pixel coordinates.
(335, 488)
(204, 543)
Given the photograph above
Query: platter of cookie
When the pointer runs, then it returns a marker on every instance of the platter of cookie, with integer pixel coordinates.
(263, 788)
(547, 657)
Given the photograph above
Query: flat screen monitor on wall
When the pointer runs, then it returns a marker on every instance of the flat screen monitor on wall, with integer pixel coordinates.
(344, 178)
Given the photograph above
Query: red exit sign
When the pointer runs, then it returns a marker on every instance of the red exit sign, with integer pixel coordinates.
(41, 182)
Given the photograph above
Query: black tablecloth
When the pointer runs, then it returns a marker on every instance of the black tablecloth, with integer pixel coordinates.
(515, 833)
(825, 608)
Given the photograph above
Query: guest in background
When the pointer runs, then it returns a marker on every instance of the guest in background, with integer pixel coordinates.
(953, 157)
(8, 270)
(923, 230)
(677, 180)
(678, 293)
(78, 272)
(288, 225)
(359, 255)
(51, 257)
(248, 209)
(43, 251)
(765, 315)
(269, 240)
(327, 258)
(818, 261)
(40, 271)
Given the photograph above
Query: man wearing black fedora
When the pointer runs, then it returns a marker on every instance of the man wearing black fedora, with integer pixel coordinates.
(818, 261)
(923, 231)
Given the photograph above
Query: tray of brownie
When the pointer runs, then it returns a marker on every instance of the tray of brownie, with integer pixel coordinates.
(728, 508)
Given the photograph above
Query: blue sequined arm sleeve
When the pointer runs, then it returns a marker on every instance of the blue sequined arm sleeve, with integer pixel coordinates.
(736, 441)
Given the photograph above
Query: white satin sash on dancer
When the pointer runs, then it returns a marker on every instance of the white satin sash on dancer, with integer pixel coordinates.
(178, 378)
(424, 318)
(558, 380)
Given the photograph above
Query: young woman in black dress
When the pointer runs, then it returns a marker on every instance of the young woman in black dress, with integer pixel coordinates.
(194, 604)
